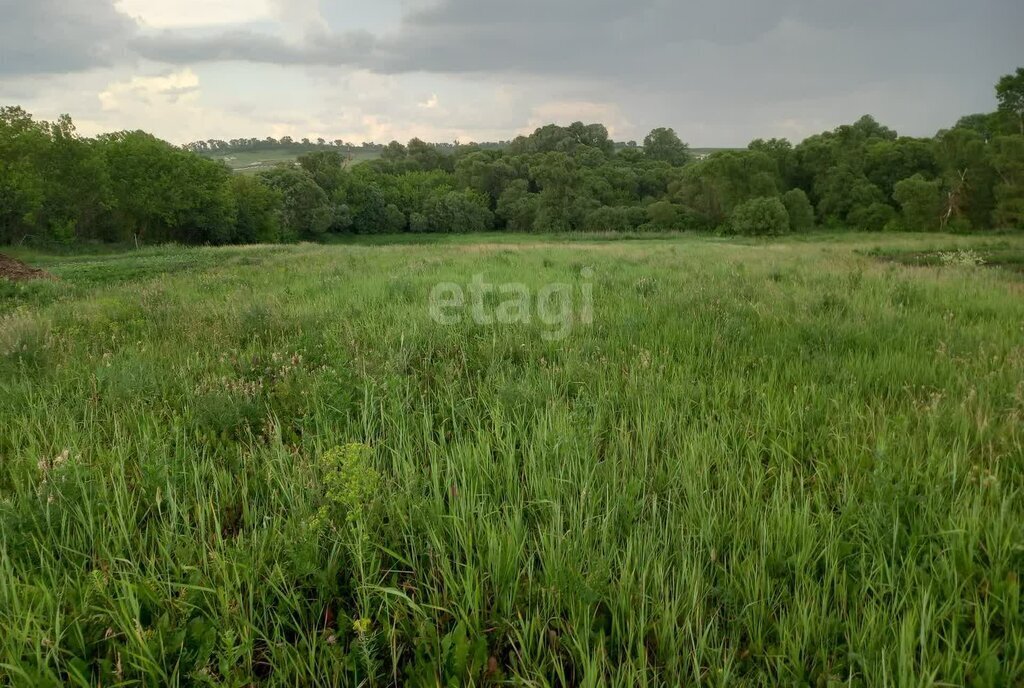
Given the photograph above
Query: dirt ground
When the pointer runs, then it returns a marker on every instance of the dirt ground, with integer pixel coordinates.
(16, 270)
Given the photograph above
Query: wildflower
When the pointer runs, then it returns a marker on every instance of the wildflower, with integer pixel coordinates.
(362, 626)
(60, 459)
(961, 258)
(646, 286)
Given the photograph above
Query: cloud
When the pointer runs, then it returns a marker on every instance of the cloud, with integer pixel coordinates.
(720, 72)
(245, 45)
(300, 18)
(55, 36)
(592, 38)
(165, 14)
(166, 89)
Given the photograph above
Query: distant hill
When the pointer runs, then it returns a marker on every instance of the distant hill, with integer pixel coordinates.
(249, 157)
(253, 159)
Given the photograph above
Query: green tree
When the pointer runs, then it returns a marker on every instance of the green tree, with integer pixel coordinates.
(663, 215)
(1008, 161)
(517, 207)
(419, 222)
(486, 172)
(799, 209)
(888, 161)
(986, 124)
(872, 218)
(592, 136)
(394, 219)
(257, 208)
(664, 145)
(766, 216)
(460, 212)
(781, 151)
(77, 197)
(713, 187)
(557, 176)
(425, 156)
(326, 167)
(842, 191)
(165, 193)
(967, 176)
(366, 199)
(921, 202)
(306, 212)
(608, 219)
(22, 187)
(394, 152)
(1010, 94)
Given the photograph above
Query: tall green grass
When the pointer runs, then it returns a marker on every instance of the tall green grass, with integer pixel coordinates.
(764, 463)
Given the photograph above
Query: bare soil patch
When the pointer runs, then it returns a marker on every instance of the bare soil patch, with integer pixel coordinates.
(16, 271)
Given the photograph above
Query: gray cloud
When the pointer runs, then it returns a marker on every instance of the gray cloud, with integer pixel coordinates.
(355, 48)
(50, 36)
(718, 66)
(604, 37)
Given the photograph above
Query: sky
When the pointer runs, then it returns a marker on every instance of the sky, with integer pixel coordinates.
(720, 72)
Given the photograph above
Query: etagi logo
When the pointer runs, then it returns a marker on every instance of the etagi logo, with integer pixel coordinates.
(559, 306)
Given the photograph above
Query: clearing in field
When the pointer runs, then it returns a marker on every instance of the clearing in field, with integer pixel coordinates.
(758, 463)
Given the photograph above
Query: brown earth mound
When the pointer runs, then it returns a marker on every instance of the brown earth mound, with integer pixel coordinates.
(16, 270)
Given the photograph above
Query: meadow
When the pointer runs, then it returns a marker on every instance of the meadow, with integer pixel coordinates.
(253, 161)
(795, 462)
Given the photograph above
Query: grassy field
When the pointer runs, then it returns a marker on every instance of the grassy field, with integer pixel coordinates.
(763, 463)
(252, 161)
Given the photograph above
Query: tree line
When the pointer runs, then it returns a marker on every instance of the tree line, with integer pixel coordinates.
(307, 145)
(57, 186)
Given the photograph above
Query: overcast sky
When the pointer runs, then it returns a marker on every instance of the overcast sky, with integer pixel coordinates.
(720, 72)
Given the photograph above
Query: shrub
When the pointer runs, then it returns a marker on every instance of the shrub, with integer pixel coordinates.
(256, 210)
(368, 206)
(801, 213)
(873, 218)
(517, 207)
(921, 202)
(607, 219)
(350, 486)
(418, 222)
(759, 216)
(663, 215)
(460, 212)
(343, 220)
(305, 210)
(394, 219)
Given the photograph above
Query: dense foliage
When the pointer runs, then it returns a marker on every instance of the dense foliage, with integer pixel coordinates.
(56, 186)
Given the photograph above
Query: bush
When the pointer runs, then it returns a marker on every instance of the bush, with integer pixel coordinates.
(921, 201)
(1008, 162)
(873, 218)
(607, 219)
(256, 210)
(305, 210)
(801, 213)
(394, 219)
(517, 207)
(460, 212)
(418, 222)
(663, 215)
(368, 206)
(759, 216)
